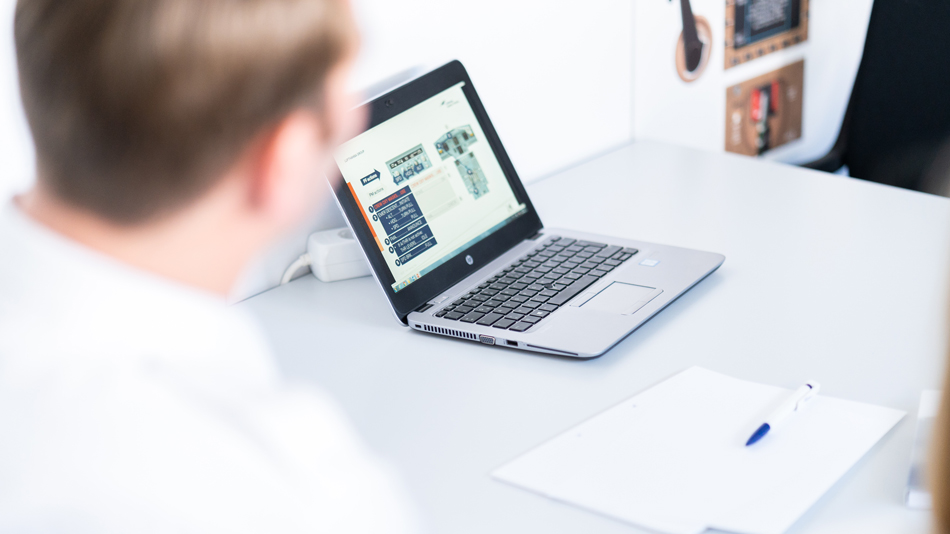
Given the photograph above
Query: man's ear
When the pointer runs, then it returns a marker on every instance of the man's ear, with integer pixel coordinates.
(284, 169)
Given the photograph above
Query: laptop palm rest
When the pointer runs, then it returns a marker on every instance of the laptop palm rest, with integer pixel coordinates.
(620, 298)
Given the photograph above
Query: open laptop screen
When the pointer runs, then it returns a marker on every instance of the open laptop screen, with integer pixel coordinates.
(429, 185)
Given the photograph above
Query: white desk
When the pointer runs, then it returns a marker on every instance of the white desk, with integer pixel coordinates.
(825, 277)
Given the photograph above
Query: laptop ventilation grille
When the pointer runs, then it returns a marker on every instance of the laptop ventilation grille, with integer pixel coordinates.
(447, 332)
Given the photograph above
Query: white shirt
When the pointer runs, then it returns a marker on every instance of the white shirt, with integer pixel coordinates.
(129, 403)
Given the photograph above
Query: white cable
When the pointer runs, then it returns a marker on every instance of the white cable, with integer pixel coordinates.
(301, 262)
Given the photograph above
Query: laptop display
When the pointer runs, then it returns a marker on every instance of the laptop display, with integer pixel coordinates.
(429, 185)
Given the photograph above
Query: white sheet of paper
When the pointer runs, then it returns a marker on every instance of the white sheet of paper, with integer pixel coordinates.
(673, 458)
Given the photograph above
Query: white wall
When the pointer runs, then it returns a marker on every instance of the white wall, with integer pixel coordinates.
(554, 76)
(16, 148)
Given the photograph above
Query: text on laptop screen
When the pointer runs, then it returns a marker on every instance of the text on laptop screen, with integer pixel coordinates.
(428, 184)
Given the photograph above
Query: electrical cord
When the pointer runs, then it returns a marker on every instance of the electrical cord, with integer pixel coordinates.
(303, 261)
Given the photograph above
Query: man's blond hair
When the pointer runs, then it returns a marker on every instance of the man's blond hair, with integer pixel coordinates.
(138, 106)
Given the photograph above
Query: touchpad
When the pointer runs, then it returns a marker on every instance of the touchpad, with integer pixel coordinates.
(621, 298)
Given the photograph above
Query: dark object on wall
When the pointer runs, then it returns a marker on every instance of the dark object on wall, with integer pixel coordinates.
(898, 117)
(693, 47)
(694, 44)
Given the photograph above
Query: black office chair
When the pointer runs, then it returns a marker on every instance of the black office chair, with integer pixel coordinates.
(898, 118)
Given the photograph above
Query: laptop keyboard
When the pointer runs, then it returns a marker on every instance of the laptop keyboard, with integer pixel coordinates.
(537, 284)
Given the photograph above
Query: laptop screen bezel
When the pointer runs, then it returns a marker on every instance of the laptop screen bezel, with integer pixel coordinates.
(416, 294)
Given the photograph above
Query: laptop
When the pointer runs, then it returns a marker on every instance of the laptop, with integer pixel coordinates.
(458, 249)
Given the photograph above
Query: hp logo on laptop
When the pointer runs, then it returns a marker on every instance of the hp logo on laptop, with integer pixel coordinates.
(469, 260)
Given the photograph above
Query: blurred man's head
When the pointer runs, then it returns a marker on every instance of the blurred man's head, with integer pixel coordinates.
(142, 110)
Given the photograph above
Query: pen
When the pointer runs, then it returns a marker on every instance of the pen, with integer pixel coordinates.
(793, 404)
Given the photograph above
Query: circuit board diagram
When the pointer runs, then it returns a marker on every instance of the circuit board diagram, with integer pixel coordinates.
(409, 164)
(472, 174)
(456, 142)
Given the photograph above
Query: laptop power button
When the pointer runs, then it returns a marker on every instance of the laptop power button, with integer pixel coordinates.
(488, 340)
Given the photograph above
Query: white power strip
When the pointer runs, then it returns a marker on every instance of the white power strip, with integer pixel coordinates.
(331, 255)
(336, 255)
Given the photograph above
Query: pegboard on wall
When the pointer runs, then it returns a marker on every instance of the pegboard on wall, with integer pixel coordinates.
(701, 65)
(765, 112)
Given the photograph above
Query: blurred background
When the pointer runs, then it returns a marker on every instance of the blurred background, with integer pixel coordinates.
(565, 81)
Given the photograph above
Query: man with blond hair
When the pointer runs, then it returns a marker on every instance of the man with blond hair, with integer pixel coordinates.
(175, 139)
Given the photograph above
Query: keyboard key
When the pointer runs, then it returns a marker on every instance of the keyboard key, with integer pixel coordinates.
(548, 293)
(531, 304)
(441, 313)
(504, 323)
(612, 263)
(630, 251)
(464, 309)
(520, 326)
(518, 298)
(515, 316)
(509, 292)
(572, 290)
(455, 316)
(489, 319)
(458, 302)
(566, 241)
(572, 276)
(494, 303)
(472, 317)
(523, 310)
(518, 286)
(609, 251)
(599, 272)
(484, 309)
(590, 244)
(546, 307)
(531, 319)
(539, 313)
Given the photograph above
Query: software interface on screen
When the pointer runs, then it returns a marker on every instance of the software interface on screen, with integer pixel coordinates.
(428, 184)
